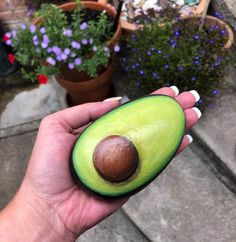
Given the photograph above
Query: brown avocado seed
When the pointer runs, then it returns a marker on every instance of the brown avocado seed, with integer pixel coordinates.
(115, 158)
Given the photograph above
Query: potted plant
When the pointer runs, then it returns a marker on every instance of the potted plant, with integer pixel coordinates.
(136, 13)
(191, 53)
(72, 42)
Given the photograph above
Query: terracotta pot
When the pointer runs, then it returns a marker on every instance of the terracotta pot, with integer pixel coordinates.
(98, 6)
(82, 89)
(211, 21)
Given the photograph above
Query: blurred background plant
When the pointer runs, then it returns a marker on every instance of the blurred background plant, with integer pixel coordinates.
(188, 53)
(43, 49)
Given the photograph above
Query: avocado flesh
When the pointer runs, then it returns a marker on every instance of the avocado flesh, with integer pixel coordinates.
(154, 124)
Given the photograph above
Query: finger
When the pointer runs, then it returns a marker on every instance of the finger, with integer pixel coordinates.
(185, 142)
(172, 91)
(192, 115)
(188, 99)
(80, 115)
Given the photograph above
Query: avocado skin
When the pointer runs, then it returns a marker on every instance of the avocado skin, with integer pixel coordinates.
(148, 181)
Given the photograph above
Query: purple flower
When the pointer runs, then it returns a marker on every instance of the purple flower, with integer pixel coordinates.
(49, 50)
(23, 26)
(177, 34)
(67, 32)
(149, 53)
(51, 61)
(203, 51)
(32, 28)
(83, 26)
(13, 33)
(58, 57)
(73, 54)
(196, 62)
(211, 41)
(71, 66)
(67, 51)
(63, 56)
(117, 48)
(196, 37)
(155, 75)
(172, 43)
(43, 30)
(91, 41)
(215, 92)
(223, 32)
(84, 41)
(35, 40)
(75, 45)
(45, 42)
(8, 42)
(158, 51)
(77, 61)
(142, 73)
(95, 48)
(180, 68)
(211, 29)
(56, 50)
(166, 66)
(193, 78)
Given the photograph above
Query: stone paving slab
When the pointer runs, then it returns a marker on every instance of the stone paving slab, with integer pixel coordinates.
(217, 129)
(14, 155)
(185, 203)
(27, 108)
(15, 152)
(116, 228)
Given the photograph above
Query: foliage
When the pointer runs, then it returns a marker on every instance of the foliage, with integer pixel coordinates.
(187, 53)
(43, 48)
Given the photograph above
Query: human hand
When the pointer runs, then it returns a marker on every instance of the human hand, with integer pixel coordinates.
(49, 202)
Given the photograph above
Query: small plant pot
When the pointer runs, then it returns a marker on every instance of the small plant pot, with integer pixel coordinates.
(199, 10)
(211, 21)
(82, 89)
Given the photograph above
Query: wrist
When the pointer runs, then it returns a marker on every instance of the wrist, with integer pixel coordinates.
(29, 218)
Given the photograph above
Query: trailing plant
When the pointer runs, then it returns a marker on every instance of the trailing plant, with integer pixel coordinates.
(188, 53)
(42, 49)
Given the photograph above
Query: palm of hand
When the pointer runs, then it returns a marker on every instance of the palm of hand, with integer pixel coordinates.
(51, 178)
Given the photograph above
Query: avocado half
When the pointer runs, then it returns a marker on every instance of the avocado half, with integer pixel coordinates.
(137, 139)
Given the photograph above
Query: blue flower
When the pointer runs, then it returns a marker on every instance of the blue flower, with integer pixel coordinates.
(166, 66)
(42, 30)
(158, 51)
(149, 53)
(83, 26)
(35, 40)
(77, 61)
(177, 34)
(193, 78)
(32, 28)
(142, 73)
(215, 92)
(67, 32)
(196, 37)
(51, 61)
(75, 45)
(23, 26)
(155, 75)
(71, 66)
(172, 43)
(84, 41)
(196, 62)
(117, 48)
(67, 51)
(180, 68)
(223, 32)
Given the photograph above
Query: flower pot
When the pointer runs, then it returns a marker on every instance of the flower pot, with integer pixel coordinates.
(97, 6)
(211, 21)
(82, 89)
(198, 10)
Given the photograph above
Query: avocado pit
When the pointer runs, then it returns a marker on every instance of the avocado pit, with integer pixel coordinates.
(115, 158)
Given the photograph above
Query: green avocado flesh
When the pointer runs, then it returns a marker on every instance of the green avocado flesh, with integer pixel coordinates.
(154, 124)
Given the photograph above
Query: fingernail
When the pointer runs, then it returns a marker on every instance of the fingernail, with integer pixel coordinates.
(197, 111)
(176, 90)
(195, 94)
(190, 138)
(112, 99)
